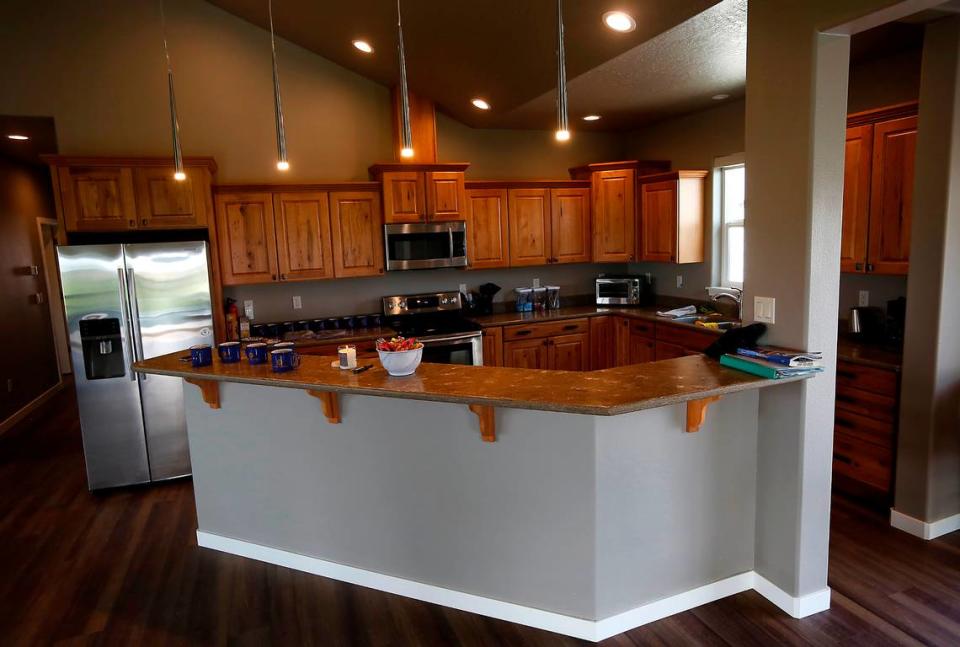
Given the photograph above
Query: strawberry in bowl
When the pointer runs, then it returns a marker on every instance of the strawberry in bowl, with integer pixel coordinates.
(400, 356)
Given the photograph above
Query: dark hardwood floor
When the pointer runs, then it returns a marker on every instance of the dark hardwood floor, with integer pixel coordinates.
(123, 568)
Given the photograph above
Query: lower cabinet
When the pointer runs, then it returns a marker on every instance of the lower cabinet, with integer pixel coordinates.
(561, 345)
(666, 350)
(525, 353)
(569, 352)
(365, 349)
(493, 346)
(603, 342)
(642, 345)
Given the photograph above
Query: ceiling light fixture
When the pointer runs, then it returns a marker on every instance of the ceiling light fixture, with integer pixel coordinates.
(19, 138)
(619, 21)
(363, 46)
(592, 118)
(720, 97)
(563, 127)
(406, 136)
(178, 173)
(481, 104)
(282, 163)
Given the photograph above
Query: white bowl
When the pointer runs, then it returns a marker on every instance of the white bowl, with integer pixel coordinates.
(401, 362)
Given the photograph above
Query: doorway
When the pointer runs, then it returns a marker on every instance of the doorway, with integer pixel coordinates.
(47, 231)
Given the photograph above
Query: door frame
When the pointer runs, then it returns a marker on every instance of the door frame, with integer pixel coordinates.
(54, 293)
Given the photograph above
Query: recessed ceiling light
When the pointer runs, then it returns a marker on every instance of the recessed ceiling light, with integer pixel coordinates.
(19, 138)
(592, 118)
(619, 21)
(480, 103)
(363, 46)
(720, 97)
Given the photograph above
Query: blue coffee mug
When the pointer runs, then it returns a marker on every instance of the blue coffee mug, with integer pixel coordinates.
(229, 352)
(257, 353)
(284, 359)
(201, 355)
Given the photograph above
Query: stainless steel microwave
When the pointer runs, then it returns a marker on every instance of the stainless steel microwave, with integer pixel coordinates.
(625, 289)
(422, 246)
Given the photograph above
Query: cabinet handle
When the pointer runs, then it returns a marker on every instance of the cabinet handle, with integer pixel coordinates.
(144, 221)
(133, 223)
(858, 267)
(522, 333)
(273, 277)
(283, 277)
(869, 267)
(570, 327)
(843, 459)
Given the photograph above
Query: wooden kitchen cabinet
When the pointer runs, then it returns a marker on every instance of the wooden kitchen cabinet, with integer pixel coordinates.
(488, 231)
(614, 215)
(559, 345)
(525, 353)
(165, 203)
(671, 217)
(247, 238)
(97, 198)
(569, 352)
(603, 345)
(493, 346)
(357, 233)
(529, 217)
(304, 247)
(858, 156)
(665, 350)
(570, 227)
(446, 196)
(421, 192)
(404, 197)
(641, 342)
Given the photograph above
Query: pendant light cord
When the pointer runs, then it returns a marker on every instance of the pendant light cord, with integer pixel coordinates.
(562, 121)
(174, 121)
(406, 134)
(278, 106)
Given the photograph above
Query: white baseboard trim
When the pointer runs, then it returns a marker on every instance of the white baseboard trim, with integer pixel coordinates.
(584, 629)
(924, 529)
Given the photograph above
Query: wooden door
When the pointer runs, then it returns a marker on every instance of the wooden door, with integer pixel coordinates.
(493, 346)
(248, 245)
(891, 196)
(357, 233)
(529, 226)
(569, 352)
(488, 231)
(446, 196)
(602, 342)
(98, 198)
(304, 247)
(858, 157)
(525, 353)
(165, 203)
(614, 215)
(570, 226)
(404, 196)
(658, 222)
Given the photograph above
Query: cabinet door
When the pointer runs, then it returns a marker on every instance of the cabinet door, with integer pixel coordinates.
(304, 248)
(97, 198)
(569, 352)
(658, 222)
(493, 346)
(642, 348)
(614, 215)
(666, 350)
(487, 228)
(248, 246)
(570, 225)
(621, 341)
(446, 197)
(404, 196)
(357, 233)
(165, 203)
(525, 353)
(529, 226)
(891, 196)
(856, 198)
(602, 342)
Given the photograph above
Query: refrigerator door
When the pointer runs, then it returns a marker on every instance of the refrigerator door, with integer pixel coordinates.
(98, 322)
(170, 303)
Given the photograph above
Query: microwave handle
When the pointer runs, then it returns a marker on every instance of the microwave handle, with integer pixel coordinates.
(450, 235)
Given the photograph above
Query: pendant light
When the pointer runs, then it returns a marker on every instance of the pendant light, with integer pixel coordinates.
(282, 163)
(178, 174)
(563, 127)
(406, 136)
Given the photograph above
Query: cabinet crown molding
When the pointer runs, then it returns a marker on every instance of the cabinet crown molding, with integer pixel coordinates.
(874, 115)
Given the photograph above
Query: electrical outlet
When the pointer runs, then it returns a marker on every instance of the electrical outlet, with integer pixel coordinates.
(764, 309)
(536, 283)
(679, 280)
(297, 302)
(463, 288)
(864, 298)
(248, 309)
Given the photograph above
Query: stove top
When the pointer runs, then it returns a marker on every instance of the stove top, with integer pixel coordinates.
(424, 315)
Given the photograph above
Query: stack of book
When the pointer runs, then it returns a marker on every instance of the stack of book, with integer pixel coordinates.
(774, 364)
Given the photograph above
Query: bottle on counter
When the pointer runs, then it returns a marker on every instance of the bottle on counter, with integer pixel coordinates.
(233, 319)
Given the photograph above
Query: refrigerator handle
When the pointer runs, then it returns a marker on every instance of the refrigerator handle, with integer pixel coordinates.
(135, 318)
(125, 315)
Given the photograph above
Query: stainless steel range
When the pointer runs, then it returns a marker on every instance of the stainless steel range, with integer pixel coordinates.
(437, 320)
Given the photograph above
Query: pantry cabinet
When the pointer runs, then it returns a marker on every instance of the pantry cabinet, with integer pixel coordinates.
(671, 217)
(421, 192)
(878, 190)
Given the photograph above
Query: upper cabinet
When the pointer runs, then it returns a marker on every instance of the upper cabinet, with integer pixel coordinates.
(614, 215)
(99, 194)
(878, 190)
(570, 225)
(529, 226)
(671, 217)
(299, 235)
(487, 228)
(421, 192)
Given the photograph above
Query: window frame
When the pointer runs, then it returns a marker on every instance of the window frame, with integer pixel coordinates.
(722, 164)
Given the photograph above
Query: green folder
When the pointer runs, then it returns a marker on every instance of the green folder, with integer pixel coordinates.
(732, 361)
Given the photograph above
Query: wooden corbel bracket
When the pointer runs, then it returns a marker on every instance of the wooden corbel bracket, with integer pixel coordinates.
(210, 389)
(488, 425)
(697, 412)
(331, 405)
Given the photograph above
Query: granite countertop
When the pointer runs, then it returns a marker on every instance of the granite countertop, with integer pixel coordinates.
(850, 349)
(607, 392)
(648, 313)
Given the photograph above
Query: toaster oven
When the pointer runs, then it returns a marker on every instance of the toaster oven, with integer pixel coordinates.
(625, 290)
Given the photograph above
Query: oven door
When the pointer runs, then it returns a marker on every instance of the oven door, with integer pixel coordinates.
(420, 246)
(461, 348)
(617, 292)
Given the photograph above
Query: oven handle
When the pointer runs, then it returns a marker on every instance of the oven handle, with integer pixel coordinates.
(430, 340)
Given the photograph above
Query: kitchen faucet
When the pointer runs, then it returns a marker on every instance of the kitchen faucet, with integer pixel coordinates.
(734, 294)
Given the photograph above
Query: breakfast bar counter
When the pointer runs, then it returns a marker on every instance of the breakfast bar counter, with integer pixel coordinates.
(589, 510)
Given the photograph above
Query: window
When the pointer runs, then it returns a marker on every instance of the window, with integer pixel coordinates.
(731, 185)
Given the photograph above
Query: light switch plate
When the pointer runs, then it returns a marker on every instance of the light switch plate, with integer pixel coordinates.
(248, 309)
(536, 283)
(863, 298)
(297, 302)
(463, 288)
(764, 309)
(679, 280)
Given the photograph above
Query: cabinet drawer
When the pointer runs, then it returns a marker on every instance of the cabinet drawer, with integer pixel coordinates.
(862, 461)
(686, 337)
(642, 328)
(875, 380)
(866, 403)
(534, 331)
(867, 429)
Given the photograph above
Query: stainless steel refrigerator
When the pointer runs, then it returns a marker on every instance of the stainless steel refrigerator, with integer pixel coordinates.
(125, 303)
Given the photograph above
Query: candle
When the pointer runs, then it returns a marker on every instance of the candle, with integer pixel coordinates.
(348, 356)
